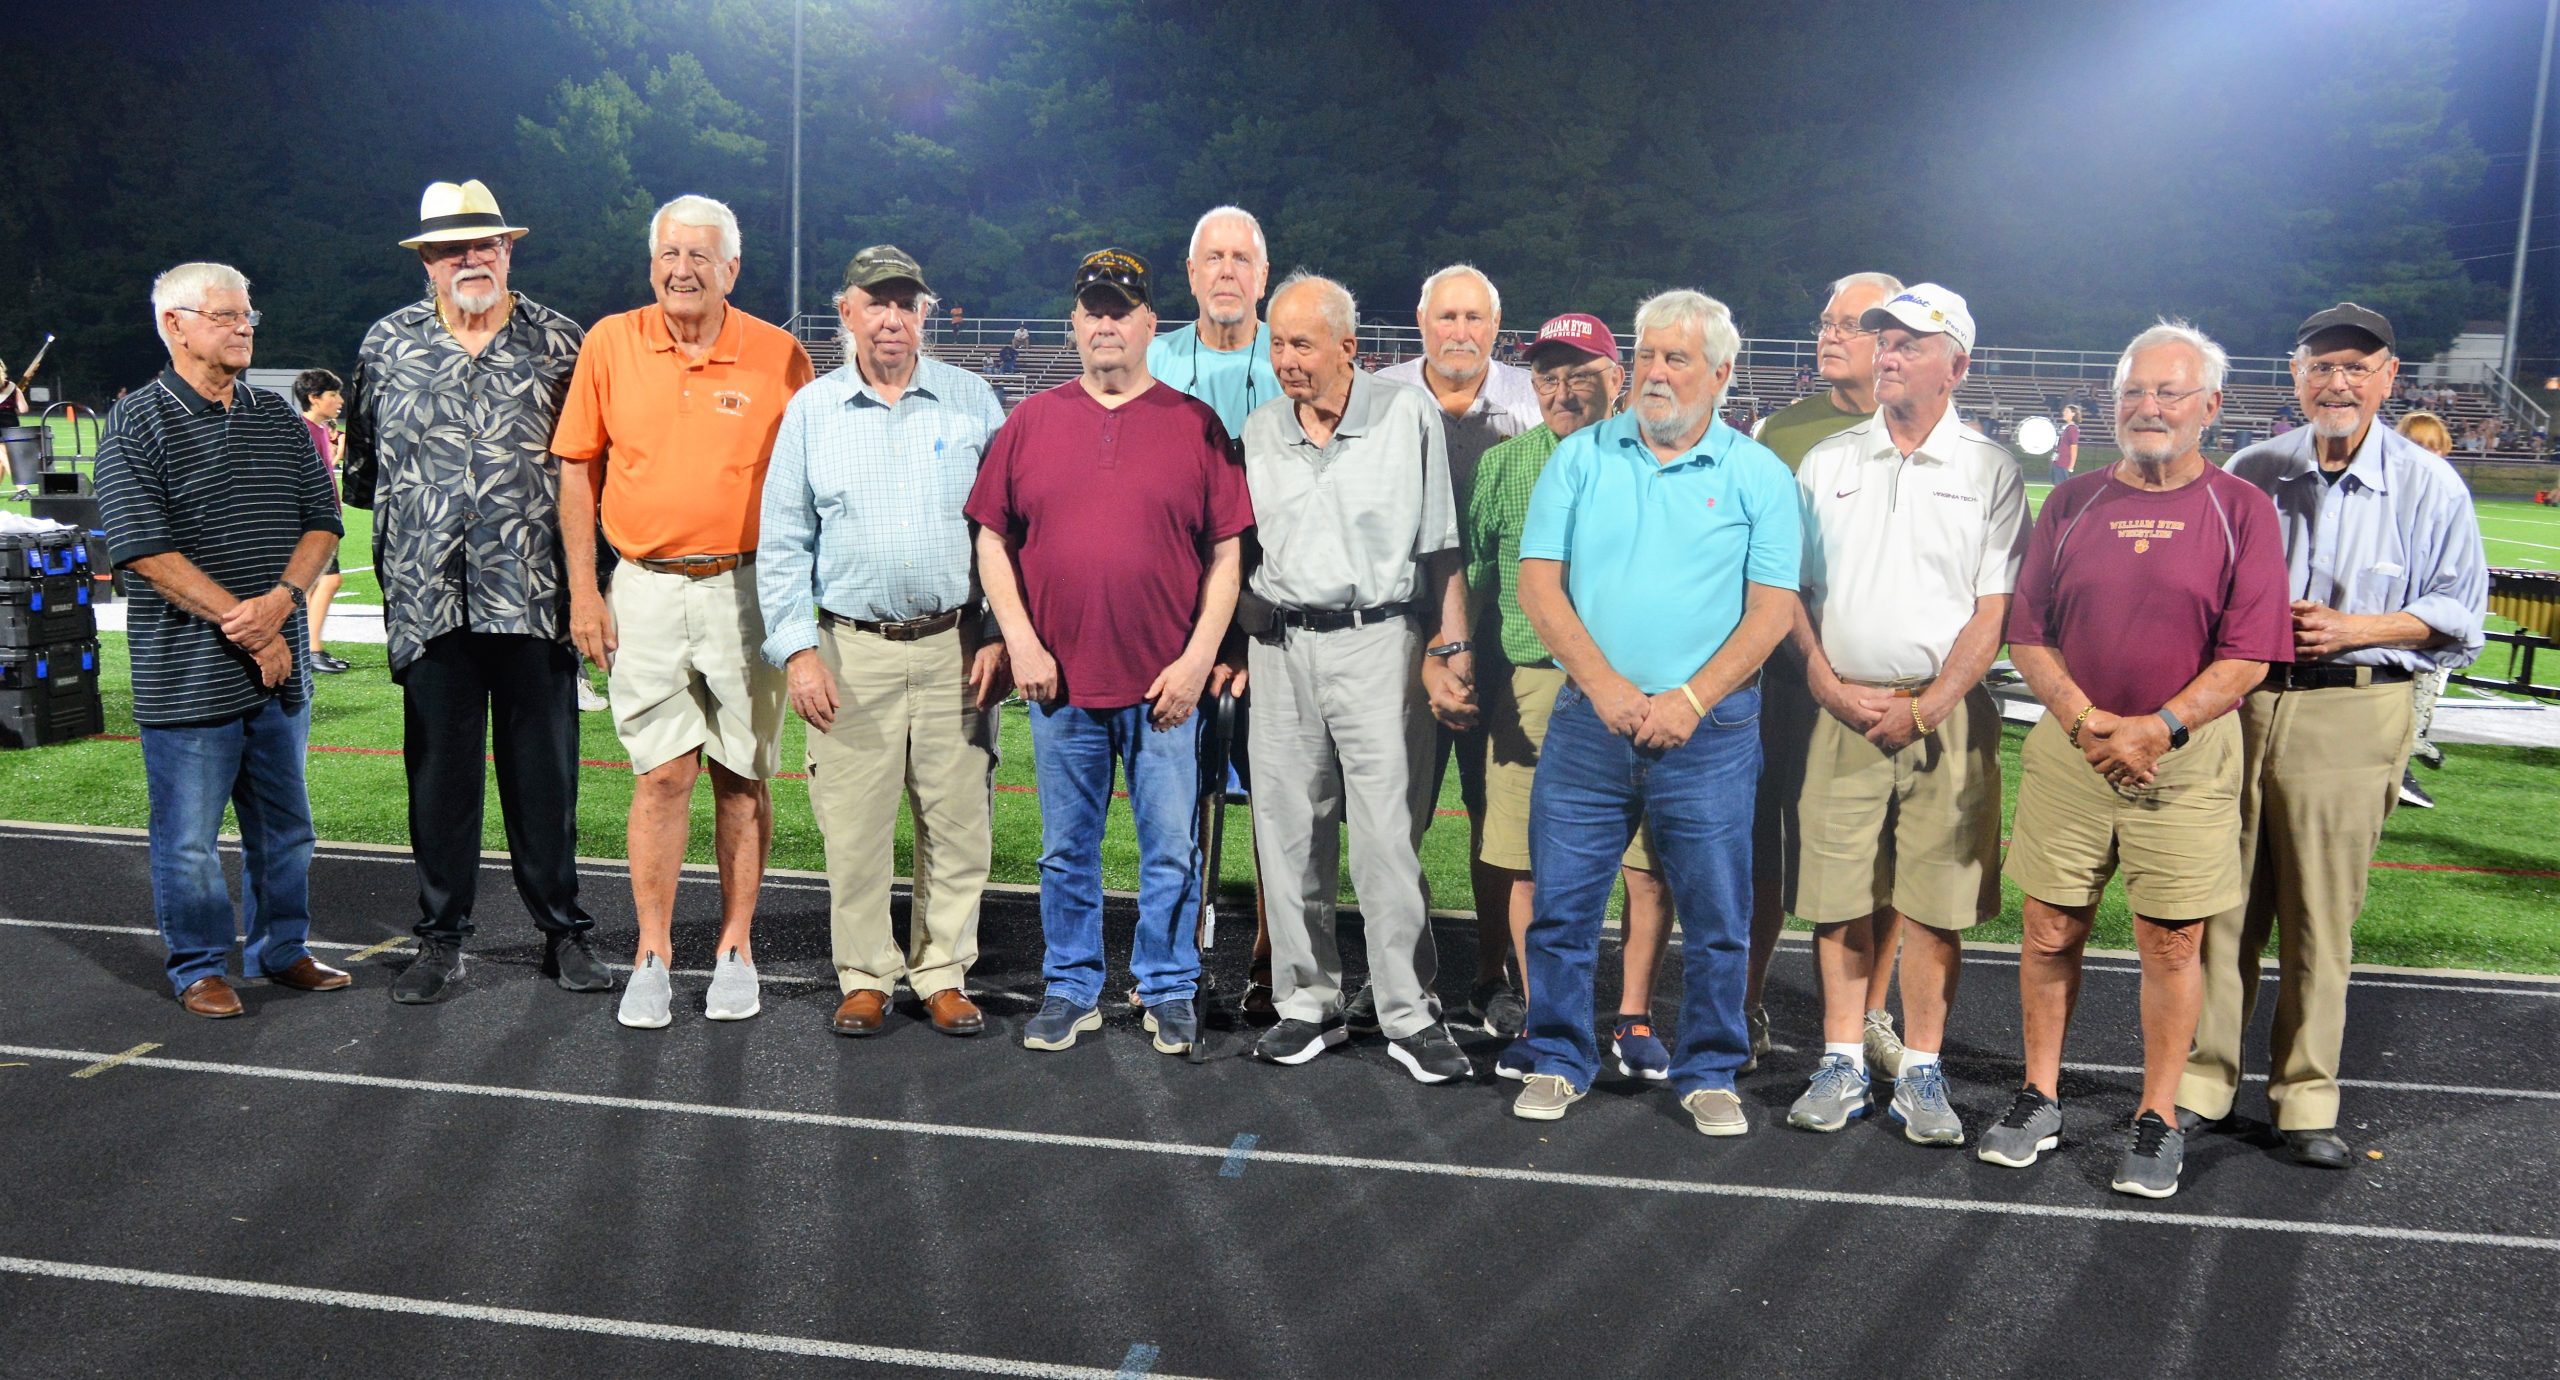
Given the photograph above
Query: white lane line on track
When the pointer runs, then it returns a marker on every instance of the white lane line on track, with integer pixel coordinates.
(905, 1358)
(1315, 1160)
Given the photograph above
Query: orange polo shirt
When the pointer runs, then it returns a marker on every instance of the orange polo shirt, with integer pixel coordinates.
(684, 444)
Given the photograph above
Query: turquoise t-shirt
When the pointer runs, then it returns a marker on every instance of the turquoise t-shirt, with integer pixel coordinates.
(1657, 555)
(1232, 382)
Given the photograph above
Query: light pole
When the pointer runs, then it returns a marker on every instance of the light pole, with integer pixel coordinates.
(2524, 218)
(796, 7)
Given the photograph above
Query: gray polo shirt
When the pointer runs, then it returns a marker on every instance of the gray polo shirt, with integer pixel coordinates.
(1343, 525)
(1505, 406)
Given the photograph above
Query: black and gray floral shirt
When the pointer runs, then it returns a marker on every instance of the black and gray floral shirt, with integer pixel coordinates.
(456, 452)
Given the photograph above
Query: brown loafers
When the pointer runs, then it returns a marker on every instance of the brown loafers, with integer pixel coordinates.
(211, 998)
(862, 1013)
(953, 1013)
(309, 974)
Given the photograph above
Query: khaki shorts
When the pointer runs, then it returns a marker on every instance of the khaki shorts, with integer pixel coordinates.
(1917, 830)
(1515, 728)
(2177, 840)
(689, 671)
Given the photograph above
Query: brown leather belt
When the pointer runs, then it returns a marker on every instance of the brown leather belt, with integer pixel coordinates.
(904, 630)
(1913, 688)
(695, 567)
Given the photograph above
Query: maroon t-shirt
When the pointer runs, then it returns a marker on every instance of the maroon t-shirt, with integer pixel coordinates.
(1116, 510)
(2141, 591)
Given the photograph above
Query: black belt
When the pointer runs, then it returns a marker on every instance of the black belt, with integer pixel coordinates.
(905, 629)
(1334, 620)
(2312, 675)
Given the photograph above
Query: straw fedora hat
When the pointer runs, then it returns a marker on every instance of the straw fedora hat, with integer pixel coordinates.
(463, 211)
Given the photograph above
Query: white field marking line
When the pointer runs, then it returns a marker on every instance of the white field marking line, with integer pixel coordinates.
(2100, 961)
(904, 1357)
(2377, 1084)
(114, 1059)
(357, 570)
(2519, 541)
(1318, 1160)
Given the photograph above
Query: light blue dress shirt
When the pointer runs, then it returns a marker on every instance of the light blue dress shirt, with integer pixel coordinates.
(862, 502)
(2395, 534)
(1656, 555)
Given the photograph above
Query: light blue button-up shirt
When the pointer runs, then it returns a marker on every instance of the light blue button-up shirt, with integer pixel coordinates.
(2395, 534)
(862, 502)
(1656, 556)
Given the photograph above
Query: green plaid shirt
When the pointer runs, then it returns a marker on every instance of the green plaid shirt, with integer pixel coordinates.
(1505, 478)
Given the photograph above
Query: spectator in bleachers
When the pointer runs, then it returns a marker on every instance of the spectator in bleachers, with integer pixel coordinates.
(2384, 559)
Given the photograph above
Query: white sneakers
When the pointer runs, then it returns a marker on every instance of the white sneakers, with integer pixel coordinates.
(648, 998)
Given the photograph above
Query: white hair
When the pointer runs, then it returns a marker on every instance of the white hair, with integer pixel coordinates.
(1341, 310)
(1261, 247)
(1491, 292)
(2170, 330)
(1883, 282)
(187, 284)
(1689, 307)
(700, 212)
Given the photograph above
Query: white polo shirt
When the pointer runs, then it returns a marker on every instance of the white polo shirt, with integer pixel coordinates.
(1896, 550)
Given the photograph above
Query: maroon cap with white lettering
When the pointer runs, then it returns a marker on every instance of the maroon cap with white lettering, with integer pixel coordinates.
(1580, 332)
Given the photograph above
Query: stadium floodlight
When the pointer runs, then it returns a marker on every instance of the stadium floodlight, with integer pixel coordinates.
(2037, 436)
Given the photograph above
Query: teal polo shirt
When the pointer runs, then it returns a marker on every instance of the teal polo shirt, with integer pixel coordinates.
(1656, 555)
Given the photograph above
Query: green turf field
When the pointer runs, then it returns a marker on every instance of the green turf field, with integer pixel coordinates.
(2474, 883)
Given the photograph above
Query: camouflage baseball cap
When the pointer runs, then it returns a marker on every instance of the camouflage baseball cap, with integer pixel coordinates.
(883, 263)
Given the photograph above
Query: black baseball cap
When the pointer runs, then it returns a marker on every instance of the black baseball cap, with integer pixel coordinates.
(2346, 316)
(1118, 270)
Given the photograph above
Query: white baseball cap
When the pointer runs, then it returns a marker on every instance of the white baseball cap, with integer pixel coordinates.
(1926, 309)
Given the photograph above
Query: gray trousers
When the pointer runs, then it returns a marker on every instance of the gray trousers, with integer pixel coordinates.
(1341, 729)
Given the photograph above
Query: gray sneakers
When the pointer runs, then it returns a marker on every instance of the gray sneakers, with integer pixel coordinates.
(2150, 1165)
(646, 997)
(1544, 1097)
(1058, 1024)
(1836, 1096)
(1920, 1104)
(733, 989)
(1717, 1112)
(1884, 1048)
(2031, 1126)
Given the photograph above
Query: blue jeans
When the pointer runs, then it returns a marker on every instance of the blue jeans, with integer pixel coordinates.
(1073, 753)
(1592, 789)
(254, 762)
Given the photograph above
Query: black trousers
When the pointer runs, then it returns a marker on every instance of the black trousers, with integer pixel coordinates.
(457, 686)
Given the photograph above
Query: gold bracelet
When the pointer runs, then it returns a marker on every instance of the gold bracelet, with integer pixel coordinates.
(1692, 697)
(2075, 723)
(1918, 722)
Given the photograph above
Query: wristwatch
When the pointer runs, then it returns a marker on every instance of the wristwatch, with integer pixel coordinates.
(300, 599)
(1447, 649)
(2177, 730)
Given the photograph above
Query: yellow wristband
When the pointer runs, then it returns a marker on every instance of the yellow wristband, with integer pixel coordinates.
(1692, 697)
(1918, 722)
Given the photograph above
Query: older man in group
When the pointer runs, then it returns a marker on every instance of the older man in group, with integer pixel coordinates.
(1110, 517)
(1224, 358)
(1659, 563)
(450, 415)
(871, 608)
(2151, 599)
(1483, 402)
(215, 499)
(670, 420)
(1577, 369)
(2388, 581)
(1913, 527)
(1845, 354)
(1350, 483)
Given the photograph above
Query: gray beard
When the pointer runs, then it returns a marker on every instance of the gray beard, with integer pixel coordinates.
(1673, 429)
(1453, 375)
(2334, 430)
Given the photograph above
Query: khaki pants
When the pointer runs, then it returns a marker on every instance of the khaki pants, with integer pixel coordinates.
(903, 728)
(2323, 771)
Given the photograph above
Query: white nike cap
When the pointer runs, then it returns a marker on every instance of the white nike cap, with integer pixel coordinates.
(1927, 309)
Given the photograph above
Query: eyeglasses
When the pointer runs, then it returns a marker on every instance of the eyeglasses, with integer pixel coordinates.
(228, 320)
(2355, 374)
(1579, 380)
(493, 246)
(1845, 329)
(2131, 398)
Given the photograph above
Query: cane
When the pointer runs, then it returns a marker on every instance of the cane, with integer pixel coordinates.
(1216, 746)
